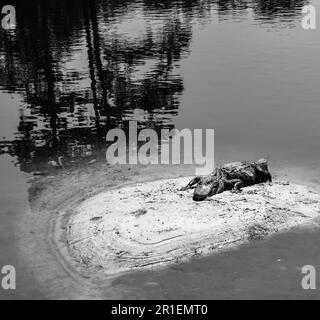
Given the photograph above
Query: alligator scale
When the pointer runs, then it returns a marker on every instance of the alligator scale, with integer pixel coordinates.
(232, 176)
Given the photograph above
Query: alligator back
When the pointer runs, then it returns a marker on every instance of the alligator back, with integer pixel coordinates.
(240, 170)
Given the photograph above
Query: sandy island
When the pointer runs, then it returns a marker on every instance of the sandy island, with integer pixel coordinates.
(152, 224)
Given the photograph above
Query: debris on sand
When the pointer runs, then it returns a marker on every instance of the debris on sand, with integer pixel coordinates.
(140, 212)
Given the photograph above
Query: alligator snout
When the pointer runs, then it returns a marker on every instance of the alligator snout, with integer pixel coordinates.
(199, 198)
(203, 191)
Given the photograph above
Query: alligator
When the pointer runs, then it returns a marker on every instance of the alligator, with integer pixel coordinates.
(232, 177)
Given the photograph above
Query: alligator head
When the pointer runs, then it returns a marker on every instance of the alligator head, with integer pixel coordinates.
(207, 187)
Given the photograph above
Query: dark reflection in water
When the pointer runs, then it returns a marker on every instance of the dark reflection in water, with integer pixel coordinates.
(83, 67)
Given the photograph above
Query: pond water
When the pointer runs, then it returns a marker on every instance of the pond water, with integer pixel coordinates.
(74, 69)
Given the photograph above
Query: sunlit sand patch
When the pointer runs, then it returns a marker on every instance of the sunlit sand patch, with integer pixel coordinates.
(154, 224)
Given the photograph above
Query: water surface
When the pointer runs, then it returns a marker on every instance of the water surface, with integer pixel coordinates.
(74, 69)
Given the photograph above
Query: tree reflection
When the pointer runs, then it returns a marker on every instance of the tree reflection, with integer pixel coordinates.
(80, 72)
(263, 10)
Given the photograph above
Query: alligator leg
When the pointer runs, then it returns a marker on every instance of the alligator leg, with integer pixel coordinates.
(229, 184)
(238, 184)
(221, 187)
(225, 184)
(191, 184)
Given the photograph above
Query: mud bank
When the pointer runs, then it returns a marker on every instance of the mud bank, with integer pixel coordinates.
(153, 224)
